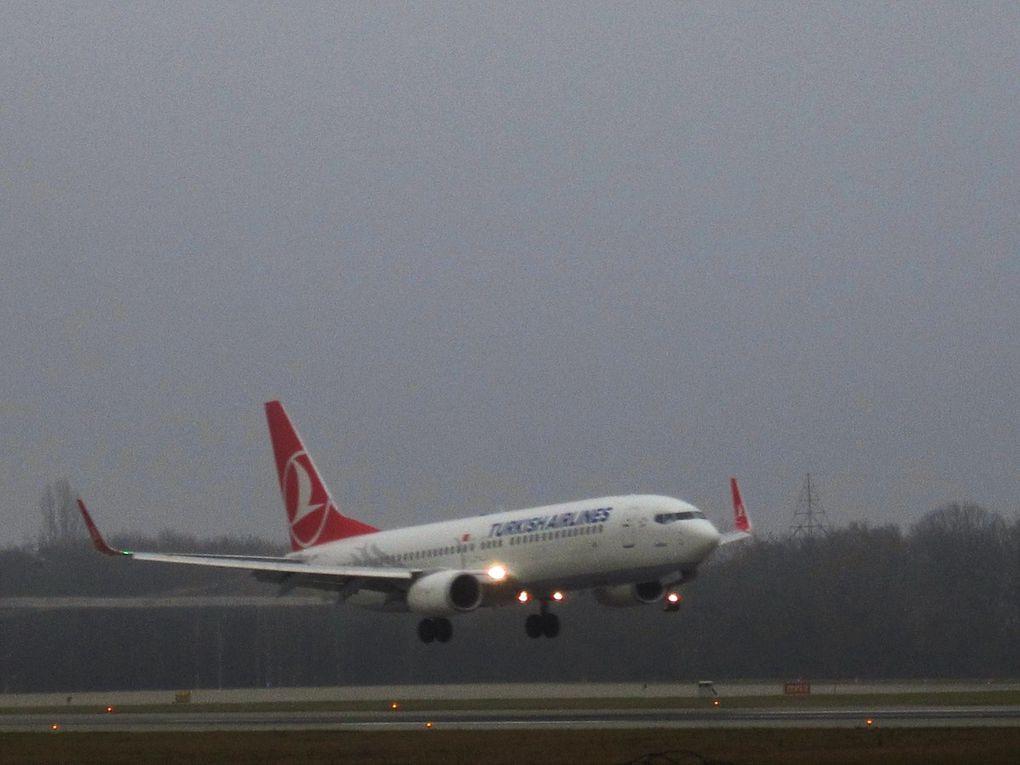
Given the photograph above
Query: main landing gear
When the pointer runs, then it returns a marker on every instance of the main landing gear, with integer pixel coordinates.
(435, 629)
(542, 623)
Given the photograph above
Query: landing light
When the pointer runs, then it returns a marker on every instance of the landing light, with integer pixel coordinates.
(110, 709)
(673, 597)
(55, 727)
(394, 706)
(497, 573)
(557, 596)
(523, 596)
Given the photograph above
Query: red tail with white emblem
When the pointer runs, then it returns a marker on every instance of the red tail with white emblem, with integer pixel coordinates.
(312, 514)
(741, 521)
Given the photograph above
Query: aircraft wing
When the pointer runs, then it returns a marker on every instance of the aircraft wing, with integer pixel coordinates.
(259, 565)
(733, 536)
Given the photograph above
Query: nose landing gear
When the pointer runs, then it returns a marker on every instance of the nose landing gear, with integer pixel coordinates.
(542, 623)
(435, 629)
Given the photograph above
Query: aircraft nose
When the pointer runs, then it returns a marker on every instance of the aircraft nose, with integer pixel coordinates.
(706, 537)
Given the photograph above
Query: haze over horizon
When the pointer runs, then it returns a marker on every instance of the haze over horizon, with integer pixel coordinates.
(492, 256)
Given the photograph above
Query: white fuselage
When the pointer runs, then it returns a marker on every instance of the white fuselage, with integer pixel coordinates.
(575, 545)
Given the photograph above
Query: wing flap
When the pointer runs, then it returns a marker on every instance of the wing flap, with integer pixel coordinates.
(278, 565)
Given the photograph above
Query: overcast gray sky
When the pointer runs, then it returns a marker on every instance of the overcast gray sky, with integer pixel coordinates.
(497, 255)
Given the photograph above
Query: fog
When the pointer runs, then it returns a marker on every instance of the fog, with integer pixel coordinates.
(863, 602)
(497, 255)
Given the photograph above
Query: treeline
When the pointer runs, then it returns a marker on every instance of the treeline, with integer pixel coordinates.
(939, 600)
(942, 600)
(72, 566)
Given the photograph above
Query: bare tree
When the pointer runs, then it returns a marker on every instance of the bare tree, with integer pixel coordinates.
(61, 522)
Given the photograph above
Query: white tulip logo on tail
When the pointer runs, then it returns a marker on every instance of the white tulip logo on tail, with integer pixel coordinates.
(306, 512)
(312, 514)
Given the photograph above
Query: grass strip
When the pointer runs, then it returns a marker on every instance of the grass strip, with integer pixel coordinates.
(913, 746)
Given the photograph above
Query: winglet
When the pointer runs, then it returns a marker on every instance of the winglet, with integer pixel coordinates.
(741, 520)
(97, 539)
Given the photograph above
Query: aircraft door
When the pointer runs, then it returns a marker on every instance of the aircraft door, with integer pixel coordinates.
(627, 532)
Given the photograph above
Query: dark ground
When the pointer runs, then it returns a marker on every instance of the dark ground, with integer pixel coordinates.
(903, 746)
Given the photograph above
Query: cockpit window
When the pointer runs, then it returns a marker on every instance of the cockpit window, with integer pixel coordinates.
(682, 516)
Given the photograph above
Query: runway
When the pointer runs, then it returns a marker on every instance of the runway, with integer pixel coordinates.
(938, 716)
(482, 693)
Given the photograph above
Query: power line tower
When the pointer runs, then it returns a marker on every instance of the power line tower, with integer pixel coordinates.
(809, 520)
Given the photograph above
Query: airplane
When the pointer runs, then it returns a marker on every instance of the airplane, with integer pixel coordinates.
(630, 550)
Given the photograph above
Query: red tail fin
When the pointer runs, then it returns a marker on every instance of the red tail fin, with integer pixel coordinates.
(741, 521)
(312, 515)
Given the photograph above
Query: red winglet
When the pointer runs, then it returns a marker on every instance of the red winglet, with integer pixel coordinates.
(741, 520)
(97, 539)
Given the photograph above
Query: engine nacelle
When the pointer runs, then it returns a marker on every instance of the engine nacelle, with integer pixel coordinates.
(444, 593)
(626, 595)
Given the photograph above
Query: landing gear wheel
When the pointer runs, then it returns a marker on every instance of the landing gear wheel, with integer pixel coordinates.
(443, 630)
(533, 626)
(550, 625)
(427, 631)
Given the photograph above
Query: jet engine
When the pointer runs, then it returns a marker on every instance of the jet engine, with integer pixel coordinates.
(444, 593)
(626, 595)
